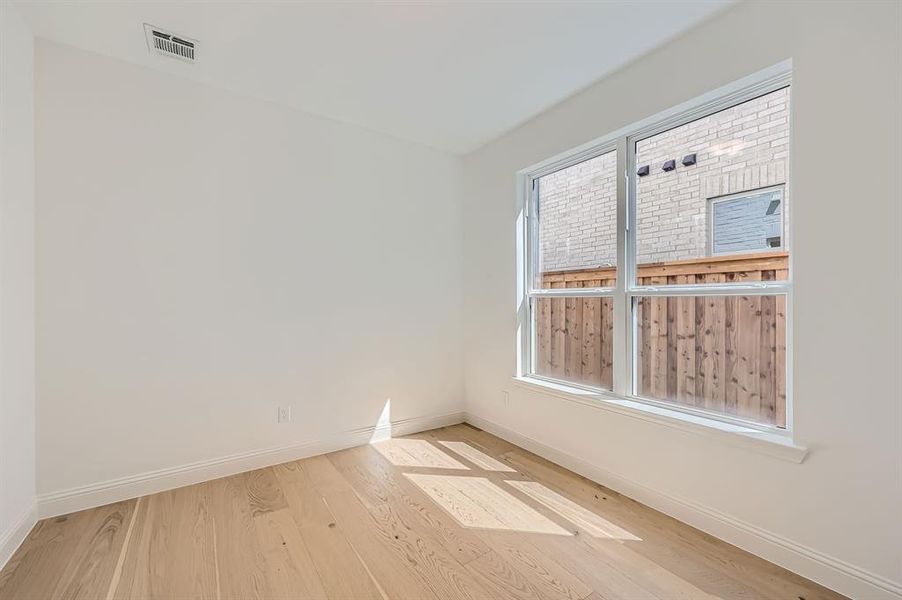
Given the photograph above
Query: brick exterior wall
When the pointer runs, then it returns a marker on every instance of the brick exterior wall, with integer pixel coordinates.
(740, 149)
(578, 215)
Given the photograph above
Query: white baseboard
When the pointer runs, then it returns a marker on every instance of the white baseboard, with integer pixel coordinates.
(12, 538)
(133, 486)
(828, 571)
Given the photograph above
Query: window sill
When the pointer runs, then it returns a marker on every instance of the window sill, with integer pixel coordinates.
(772, 444)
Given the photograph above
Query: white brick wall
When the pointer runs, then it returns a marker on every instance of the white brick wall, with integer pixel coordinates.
(578, 214)
(739, 149)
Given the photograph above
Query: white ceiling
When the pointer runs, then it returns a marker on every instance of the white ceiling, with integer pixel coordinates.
(449, 75)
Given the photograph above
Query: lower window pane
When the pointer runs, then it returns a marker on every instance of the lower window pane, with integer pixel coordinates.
(725, 354)
(573, 340)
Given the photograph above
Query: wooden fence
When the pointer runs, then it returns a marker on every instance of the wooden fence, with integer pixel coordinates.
(721, 353)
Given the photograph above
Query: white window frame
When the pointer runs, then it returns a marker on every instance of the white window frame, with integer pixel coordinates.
(738, 196)
(626, 291)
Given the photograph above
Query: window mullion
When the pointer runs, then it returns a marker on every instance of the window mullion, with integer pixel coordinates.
(622, 313)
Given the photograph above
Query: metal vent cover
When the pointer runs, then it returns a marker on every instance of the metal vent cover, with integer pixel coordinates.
(166, 43)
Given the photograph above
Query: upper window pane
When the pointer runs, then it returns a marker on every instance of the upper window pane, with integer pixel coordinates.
(577, 225)
(713, 190)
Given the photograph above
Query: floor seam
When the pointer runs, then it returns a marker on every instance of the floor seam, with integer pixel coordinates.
(117, 572)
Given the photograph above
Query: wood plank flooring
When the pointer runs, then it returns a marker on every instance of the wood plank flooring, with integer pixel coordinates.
(449, 513)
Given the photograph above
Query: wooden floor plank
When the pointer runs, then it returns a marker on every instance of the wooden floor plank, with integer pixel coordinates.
(290, 569)
(241, 566)
(388, 560)
(596, 572)
(341, 572)
(539, 568)
(378, 482)
(449, 513)
(406, 561)
(502, 579)
(172, 550)
(80, 551)
(91, 568)
(264, 492)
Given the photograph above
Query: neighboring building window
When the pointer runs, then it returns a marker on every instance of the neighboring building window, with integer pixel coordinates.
(668, 285)
(747, 222)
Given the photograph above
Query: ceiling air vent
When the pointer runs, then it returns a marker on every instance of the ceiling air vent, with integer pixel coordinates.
(166, 43)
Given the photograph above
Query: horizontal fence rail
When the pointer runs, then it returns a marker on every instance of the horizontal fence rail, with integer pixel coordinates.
(720, 353)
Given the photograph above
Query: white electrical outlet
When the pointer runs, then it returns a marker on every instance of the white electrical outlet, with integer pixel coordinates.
(284, 414)
(505, 398)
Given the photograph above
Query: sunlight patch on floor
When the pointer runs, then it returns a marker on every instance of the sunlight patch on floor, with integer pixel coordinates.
(588, 521)
(404, 452)
(478, 458)
(478, 502)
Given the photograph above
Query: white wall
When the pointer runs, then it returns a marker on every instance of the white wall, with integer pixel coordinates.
(836, 516)
(204, 258)
(17, 402)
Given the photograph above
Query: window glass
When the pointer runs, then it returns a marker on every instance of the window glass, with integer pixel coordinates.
(577, 225)
(574, 340)
(716, 186)
(724, 354)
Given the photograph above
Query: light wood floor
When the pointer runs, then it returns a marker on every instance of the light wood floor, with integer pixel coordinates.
(449, 513)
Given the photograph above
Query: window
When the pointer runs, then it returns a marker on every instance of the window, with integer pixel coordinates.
(670, 285)
(576, 257)
(746, 222)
